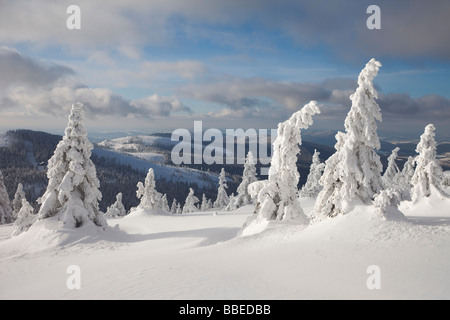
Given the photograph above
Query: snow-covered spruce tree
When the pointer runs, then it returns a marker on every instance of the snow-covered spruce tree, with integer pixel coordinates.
(150, 198)
(173, 208)
(116, 209)
(206, 204)
(428, 173)
(276, 198)
(402, 180)
(407, 172)
(392, 170)
(330, 198)
(165, 203)
(248, 177)
(386, 203)
(72, 193)
(231, 206)
(222, 196)
(312, 186)
(6, 213)
(17, 201)
(25, 218)
(354, 171)
(191, 201)
(446, 179)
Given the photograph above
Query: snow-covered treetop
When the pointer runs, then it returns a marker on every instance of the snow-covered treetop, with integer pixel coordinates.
(428, 171)
(360, 122)
(75, 127)
(312, 186)
(369, 73)
(427, 145)
(286, 145)
(392, 168)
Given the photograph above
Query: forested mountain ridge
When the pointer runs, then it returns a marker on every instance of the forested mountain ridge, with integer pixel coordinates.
(24, 155)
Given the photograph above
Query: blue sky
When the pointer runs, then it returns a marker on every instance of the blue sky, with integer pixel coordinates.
(160, 65)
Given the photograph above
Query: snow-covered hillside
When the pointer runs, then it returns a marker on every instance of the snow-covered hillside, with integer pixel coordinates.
(136, 142)
(201, 256)
(5, 140)
(173, 173)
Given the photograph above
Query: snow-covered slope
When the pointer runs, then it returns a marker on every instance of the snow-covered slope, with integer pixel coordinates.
(5, 140)
(161, 171)
(136, 142)
(201, 256)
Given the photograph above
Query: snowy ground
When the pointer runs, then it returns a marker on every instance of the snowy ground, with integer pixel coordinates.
(202, 256)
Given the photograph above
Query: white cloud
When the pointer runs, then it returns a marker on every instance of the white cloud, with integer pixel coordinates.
(161, 106)
(100, 102)
(39, 88)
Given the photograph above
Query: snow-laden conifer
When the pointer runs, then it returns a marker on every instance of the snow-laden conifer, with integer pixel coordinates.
(6, 213)
(428, 174)
(231, 205)
(116, 209)
(312, 186)
(222, 199)
(402, 180)
(165, 203)
(25, 218)
(392, 170)
(446, 179)
(150, 198)
(73, 194)
(17, 201)
(354, 171)
(276, 198)
(190, 203)
(206, 204)
(173, 207)
(408, 171)
(386, 204)
(248, 177)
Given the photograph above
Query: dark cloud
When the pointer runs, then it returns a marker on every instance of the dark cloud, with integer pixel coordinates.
(259, 98)
(436, 106)
(396, 104)
(237, 93)
(409, 28)
(19, 69)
